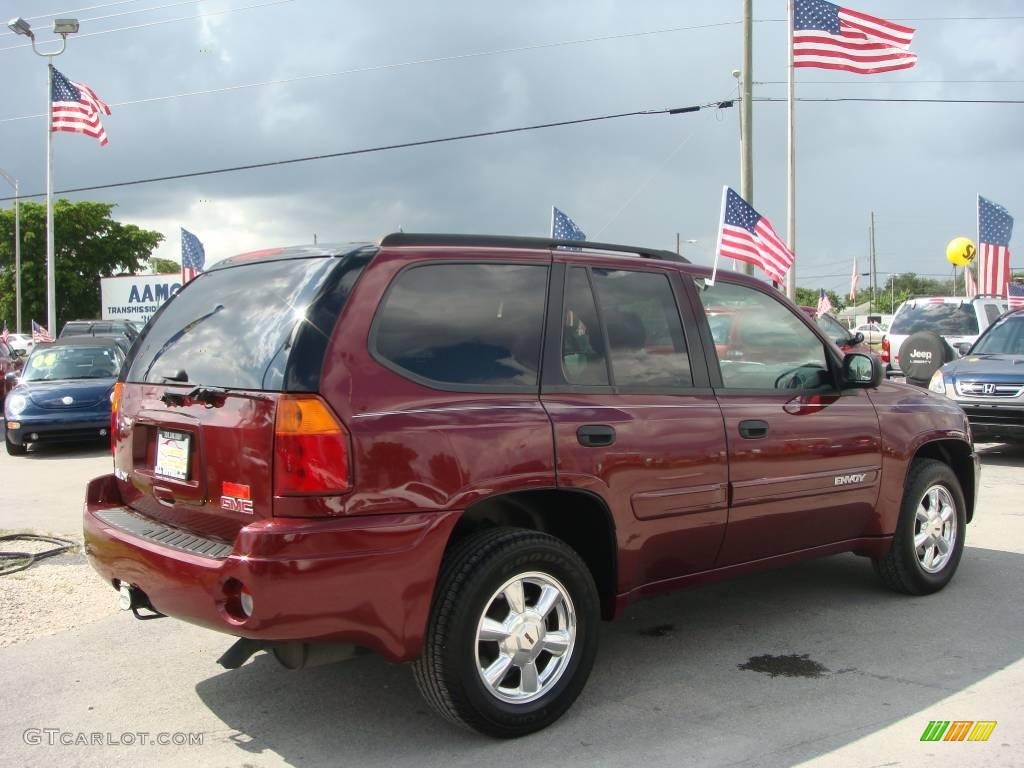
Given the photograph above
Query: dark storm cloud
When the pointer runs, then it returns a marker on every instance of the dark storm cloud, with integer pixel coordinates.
(917, 166)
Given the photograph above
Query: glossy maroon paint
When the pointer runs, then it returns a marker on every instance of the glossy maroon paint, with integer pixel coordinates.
(689, 499)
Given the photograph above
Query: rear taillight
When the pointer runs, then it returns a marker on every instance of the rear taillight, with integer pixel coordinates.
(885, 350)
(311, 453)
(115, 406)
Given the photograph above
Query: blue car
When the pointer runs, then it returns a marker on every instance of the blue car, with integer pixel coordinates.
(63, 392)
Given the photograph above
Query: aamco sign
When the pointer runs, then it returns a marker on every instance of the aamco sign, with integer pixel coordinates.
(136, 297)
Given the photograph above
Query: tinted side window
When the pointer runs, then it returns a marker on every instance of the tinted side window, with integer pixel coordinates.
(583, 358)
(992, 312)
(645, 334)
(465, 324)
(767, 346)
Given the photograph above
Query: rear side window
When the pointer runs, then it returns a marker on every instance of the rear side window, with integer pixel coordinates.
(944, 319)
(464, 326)
(992, 312)
(233, 327)
(645, 333)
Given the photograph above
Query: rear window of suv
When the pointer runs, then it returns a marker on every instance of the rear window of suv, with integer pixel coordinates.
(234, 327)
(464, 326)
(943, 319)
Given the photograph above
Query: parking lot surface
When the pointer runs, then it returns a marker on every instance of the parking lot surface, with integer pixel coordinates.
(815, 664)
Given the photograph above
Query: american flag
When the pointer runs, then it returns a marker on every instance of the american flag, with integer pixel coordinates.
(854, 278)
(1014, 296)
(193, 256)
(748, 236)
(824, 304)
(564, 228)
(39, 333)
(995, 226)
(5, 336)
(970, 286)
(828, 36)
(76, 108)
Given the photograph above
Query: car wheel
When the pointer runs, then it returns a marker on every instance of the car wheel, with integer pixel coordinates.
(513, 633)
(15, 449)
(929, 538)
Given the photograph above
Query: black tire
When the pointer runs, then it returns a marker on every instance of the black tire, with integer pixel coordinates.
(15, 449)
(448, 673)
(901, 569)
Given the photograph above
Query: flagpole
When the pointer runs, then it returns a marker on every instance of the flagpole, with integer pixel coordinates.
(979, 251)
(51, 282)
(791, 164)
(718, 243)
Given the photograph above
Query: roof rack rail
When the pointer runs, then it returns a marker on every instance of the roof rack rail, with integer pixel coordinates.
(508, 241)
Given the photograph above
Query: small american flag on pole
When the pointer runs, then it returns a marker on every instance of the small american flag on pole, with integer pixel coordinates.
(39, 333)
(748, 236)
(564, 228)
(824, 303)
(193, 256)
(827, 36)
(995, 226)
(1014, 296)
(77, 108)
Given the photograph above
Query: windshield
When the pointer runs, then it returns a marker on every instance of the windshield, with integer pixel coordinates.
(93, 362)
(944, 319)
(1006, 337)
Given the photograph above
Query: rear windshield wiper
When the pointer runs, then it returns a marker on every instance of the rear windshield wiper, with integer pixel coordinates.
(211, 397)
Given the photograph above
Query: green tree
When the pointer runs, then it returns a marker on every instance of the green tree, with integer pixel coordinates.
(899, 288)
(808, 297)
(88, 243)
(164, 266)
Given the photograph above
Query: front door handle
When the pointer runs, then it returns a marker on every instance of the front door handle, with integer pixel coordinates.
(753, 429)
(595, 435)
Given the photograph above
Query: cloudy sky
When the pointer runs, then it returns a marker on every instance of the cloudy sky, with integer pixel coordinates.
(637, 180)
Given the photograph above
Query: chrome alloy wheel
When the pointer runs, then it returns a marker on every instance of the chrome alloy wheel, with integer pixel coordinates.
(935, 528)
(525, 638)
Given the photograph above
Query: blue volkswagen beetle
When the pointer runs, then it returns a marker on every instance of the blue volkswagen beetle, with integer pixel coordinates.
(63, 392)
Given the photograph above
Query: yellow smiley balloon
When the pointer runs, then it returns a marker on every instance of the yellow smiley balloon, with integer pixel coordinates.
(960, 251)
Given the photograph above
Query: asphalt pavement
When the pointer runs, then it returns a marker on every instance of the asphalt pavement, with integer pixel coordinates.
(814, 664)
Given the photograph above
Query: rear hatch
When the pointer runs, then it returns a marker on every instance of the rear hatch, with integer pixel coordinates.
(193, 426)
(954, 319)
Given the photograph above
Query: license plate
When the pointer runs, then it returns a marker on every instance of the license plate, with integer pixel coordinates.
(172, 454)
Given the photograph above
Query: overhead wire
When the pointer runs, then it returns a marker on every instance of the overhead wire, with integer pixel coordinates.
(79, 10)
(401, 64)
(386, 147)
(125, 13)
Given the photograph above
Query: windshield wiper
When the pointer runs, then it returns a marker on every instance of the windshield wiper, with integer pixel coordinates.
(211, 397)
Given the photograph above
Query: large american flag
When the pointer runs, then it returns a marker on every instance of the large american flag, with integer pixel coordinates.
(39, 333)
(193, 256)
(995, 226)
(1014, 296)
(828, 36)
(748, 236)
(77, 108)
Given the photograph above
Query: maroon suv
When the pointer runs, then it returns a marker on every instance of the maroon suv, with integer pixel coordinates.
(465, 451)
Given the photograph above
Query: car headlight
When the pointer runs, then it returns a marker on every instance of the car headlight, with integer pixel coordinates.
(16, 403)
(938, 383)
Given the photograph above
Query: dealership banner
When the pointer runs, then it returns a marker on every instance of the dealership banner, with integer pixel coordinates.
(136, 297)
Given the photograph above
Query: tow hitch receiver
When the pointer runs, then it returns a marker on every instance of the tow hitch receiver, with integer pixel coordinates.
(133, 599)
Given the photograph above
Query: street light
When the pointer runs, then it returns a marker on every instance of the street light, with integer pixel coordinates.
(62, 27)
(17, 249)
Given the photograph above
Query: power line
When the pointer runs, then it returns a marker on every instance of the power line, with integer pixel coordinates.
(905, 101)
(119, 13)
(386, 147)
(77, 10)
(162, 21)
(397, 65)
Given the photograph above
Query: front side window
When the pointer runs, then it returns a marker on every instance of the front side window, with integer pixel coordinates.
(464, 325)
(1004, 338)
(766, 345)
(645, 334)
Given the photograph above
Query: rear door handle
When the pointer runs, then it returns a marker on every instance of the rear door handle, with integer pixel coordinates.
(753, 429)
(595, 435)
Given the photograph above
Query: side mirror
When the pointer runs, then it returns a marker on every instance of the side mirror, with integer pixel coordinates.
(862, 371)
(858, 337)
(11, 378)
(963, 347)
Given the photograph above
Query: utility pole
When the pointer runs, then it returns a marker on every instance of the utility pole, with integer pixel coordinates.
(746, 113)
(874, 263)
(17, 249)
